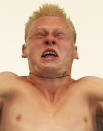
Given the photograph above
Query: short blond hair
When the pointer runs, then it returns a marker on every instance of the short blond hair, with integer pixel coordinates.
(48, 10)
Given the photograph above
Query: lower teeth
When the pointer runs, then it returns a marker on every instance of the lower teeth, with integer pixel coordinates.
(49, 55)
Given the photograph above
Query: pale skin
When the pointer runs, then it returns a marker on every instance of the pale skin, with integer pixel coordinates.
(40, 101)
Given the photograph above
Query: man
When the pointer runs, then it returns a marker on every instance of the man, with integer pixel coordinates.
(49, 99)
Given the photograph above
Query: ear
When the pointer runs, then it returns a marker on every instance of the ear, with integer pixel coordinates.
(24, 51)
(75, 53)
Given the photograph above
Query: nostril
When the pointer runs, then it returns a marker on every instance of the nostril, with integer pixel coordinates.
(47, 42)
(53, 42)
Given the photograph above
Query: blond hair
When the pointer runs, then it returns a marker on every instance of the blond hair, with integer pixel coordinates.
(48, 10)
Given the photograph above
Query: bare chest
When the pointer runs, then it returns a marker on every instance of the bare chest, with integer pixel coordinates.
(28, 111)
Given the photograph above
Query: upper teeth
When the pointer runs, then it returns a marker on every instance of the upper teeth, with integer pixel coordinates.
(49, 52)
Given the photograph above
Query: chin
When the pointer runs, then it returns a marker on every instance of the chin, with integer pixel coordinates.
(51, 70)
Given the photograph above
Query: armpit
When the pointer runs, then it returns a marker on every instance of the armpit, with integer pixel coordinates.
(99, 118)
(0, 114)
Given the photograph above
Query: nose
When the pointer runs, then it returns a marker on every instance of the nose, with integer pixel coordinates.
(50, 42)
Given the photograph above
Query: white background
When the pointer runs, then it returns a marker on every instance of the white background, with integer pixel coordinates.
(87, 16)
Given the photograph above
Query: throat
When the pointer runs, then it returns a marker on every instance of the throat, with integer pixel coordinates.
(52, 89)
(64, 75)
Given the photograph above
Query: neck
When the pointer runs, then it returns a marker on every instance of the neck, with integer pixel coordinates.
(54, 77)
(49, 84)
(51, 88)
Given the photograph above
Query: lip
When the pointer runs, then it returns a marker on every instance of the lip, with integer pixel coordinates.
(50, 58)
(50, 49)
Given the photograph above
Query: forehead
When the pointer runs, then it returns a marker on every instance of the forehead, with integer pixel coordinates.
(50, 22)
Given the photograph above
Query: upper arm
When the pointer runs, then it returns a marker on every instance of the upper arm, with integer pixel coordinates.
(6, 82)
(99, 116)
(95, 87)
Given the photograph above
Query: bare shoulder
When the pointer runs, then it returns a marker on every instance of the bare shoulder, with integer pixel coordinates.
(91, 80)
(7, 74)
(7, 82)
(10, 75)
(92, 86)
(10, 78)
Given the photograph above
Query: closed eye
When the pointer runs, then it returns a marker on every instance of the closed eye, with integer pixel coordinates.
(40, 34)
(60, 34)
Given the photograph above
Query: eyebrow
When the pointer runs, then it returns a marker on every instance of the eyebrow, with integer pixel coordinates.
(46, 29)
(43, 29)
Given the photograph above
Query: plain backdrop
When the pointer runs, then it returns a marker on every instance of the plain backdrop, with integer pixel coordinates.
(87, 16)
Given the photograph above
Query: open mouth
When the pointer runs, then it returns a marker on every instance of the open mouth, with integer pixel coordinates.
(49, 54)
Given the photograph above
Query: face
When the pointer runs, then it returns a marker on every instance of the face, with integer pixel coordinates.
(50, 46)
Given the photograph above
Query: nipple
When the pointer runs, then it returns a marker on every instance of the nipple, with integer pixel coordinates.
(18, 118)
(85, 119)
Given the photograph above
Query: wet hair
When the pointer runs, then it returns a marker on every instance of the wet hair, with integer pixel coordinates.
(49, 10)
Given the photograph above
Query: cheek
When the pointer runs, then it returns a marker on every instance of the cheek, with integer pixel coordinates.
(34, 46)
(34, 51)
(69, 52)
(65, 47)
(30, 51)
(37, 41)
